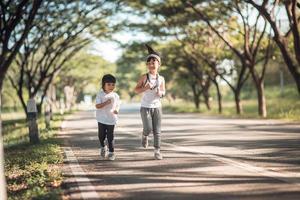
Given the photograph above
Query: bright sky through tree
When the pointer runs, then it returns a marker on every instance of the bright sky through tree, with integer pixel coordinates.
(111, 51)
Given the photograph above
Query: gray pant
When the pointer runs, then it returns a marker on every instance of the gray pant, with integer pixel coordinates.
(151, 118)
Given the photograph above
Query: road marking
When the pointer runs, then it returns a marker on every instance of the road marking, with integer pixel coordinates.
(285, 177)
(87, 191)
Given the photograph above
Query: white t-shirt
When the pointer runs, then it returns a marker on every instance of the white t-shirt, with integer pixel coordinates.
(105, 114)
(150, 98)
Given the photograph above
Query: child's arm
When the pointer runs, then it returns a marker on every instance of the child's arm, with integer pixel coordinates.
(101, 105)
(140, 87)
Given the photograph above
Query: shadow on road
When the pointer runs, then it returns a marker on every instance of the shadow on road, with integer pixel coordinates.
(185, 174)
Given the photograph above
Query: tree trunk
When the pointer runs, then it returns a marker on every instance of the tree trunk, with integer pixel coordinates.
(288, 61)
(2, 176)
(51, 94)
(196, 95)
(219, 95)
(24, 106)
(207, 103)
(69, 95)
(32, 121)
(259, 86)
(47, 118)
(262, 107)
(238, 106)
(281, 77)
(197, 102)
(39, 107)
(206, 94)
(51, 110)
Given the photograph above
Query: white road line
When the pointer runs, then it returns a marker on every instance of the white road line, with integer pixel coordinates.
(88, 190)
(285, 177)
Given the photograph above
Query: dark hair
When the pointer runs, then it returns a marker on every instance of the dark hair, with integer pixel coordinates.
(108, 78)
(150, 58)
(152, 54)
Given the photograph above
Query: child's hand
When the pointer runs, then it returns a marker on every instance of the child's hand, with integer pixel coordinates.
(108, 101)
(148, 86)
(159, 93)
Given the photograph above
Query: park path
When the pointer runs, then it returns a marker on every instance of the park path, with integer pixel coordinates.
(204, 158)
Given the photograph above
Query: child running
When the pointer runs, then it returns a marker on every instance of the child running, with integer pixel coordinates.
(107, 104)
(152, 85)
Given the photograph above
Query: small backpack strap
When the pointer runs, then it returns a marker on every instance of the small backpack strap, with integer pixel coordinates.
(156, 82)
(147, 79)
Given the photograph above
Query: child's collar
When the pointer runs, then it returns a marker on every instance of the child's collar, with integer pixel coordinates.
(156, 74)
(106, 92)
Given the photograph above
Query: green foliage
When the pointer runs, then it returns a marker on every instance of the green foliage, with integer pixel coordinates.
(129, 69)
(84, 72)
(15, 131)
(32, 171)
(175, 69)
(10, 101)
(284, 105)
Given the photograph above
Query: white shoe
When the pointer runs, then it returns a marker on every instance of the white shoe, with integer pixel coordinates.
(144, 141)
(157, 154)
(103, 152)
(111, 156)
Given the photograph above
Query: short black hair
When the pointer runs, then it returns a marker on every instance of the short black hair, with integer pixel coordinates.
(108, 78)
(150, 58)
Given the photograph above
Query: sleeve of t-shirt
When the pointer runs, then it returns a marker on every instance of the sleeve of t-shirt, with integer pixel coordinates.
(98, 98)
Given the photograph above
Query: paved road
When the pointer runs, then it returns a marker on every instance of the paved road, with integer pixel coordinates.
(204, 158)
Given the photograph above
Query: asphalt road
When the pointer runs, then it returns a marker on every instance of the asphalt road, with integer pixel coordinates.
(204, 158)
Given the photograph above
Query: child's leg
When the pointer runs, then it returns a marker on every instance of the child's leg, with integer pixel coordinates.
(101, 134)
(156, 123)
(110, 137)
(147, 120)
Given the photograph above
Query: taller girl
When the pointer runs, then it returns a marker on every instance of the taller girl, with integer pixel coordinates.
(152, 85)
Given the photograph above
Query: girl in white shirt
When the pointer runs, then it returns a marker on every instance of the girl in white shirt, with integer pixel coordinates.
(107, 104)
(152, 85)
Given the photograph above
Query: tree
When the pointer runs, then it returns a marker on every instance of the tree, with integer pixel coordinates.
(131, 66)
(184, 70)
(55, 39)
(15, 20)
(250, 34)
(208, 50)
(171, 17)
(160, 28)
(83, 72)
(290, 53)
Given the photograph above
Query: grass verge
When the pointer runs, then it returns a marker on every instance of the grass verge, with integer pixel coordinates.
(32, 171)
(277, 108)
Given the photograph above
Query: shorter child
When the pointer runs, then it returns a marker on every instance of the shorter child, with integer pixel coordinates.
(107, 104)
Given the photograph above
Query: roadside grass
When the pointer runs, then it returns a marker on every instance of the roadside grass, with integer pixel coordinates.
(32, 171)
(6, 116)
(285, 106)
